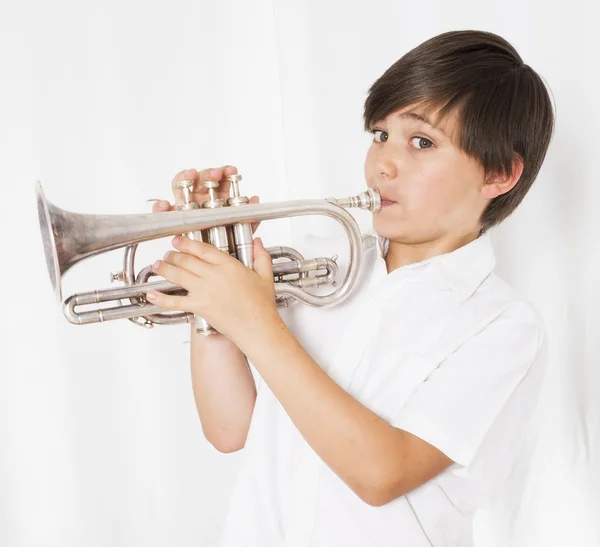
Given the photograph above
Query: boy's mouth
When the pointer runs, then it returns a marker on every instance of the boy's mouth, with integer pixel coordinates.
(385, 202)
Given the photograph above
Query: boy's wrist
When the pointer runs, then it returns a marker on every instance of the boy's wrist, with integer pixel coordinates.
(262, 334)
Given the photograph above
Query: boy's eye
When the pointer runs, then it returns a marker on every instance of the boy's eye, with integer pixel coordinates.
(379, 136)
(421, 143)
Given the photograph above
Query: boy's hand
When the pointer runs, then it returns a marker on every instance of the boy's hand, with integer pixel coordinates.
(200, 193)
(234, 299)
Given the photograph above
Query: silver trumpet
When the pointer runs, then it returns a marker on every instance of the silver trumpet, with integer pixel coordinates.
(71, 237)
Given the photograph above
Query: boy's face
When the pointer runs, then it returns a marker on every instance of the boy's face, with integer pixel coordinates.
(435, 187)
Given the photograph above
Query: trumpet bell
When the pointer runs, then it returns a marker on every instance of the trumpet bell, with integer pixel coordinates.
(70, 237)
(49, 214)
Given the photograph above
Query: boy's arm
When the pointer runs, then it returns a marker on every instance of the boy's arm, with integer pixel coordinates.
(376, 460)
(490, 376)
(491, 381)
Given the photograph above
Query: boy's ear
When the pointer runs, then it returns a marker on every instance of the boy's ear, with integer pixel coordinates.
(497, 184)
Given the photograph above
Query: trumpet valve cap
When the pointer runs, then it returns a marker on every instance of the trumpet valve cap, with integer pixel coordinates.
(186, 183)
(233, 178)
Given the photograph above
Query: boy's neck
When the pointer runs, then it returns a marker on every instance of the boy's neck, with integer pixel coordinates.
(402, 254)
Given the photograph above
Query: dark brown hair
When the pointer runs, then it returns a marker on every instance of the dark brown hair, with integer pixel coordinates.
(502, 104)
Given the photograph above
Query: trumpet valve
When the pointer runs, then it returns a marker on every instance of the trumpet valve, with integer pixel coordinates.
(212, 201)
(211, 186)
(234, 185)
(187, 187)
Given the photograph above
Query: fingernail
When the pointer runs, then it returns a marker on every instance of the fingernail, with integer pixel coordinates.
(151, 295)
(164, 203)
(176, 240)
(156, 265)
(214, 172)
(167, 256)
(190, 173)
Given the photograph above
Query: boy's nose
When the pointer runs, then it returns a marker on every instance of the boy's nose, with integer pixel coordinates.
(386, 165)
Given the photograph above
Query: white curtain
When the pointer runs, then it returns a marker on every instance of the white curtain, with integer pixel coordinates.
(105, 101)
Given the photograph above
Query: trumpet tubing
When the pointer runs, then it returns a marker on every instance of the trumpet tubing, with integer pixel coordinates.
(69, 238)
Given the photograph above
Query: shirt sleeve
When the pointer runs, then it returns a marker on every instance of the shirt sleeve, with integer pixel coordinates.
(458, 404)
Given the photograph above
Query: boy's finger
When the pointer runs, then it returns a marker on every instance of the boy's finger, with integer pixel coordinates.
(168, 301)
(200, 193)
(162, 206)
(217, 174)
(253, 200)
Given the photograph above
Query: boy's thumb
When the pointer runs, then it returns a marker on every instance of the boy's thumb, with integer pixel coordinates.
(263, 264)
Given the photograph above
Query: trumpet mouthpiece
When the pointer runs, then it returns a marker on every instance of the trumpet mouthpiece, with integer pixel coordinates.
(369, 200)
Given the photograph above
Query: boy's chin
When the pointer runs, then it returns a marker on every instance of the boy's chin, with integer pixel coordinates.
(388, 228)
(400, 232)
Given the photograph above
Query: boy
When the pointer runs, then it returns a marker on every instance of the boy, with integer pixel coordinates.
(391, 418)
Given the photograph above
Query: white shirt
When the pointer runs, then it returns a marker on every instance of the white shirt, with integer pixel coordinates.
(443, 349)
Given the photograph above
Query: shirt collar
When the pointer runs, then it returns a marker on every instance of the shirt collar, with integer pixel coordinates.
(464, 269)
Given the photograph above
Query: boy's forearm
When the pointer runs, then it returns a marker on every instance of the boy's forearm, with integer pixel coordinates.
(224, 389)
(351, 439)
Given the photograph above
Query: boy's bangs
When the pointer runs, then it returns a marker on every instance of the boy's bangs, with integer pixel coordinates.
(436, 108)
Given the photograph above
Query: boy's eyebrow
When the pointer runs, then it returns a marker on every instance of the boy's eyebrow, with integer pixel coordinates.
(422, 118)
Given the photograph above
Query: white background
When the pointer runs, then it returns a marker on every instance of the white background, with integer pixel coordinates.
(100, 444)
